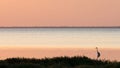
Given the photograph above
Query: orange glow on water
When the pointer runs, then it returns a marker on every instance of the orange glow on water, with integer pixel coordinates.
(110, 54)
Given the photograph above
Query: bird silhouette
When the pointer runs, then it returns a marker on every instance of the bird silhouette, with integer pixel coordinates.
(98, 53)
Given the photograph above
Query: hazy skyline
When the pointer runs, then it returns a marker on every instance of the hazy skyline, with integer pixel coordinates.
(59, 13)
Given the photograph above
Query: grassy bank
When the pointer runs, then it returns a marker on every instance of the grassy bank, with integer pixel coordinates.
(58, 62)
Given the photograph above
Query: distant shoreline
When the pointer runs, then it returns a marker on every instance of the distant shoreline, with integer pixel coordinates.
(63, 27)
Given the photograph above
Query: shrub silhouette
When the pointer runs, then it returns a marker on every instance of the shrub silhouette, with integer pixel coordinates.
(58, 62)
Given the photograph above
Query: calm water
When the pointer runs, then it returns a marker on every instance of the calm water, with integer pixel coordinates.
(107, 39)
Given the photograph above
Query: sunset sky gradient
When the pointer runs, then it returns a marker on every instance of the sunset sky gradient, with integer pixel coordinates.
(59, 13)
(54, 13)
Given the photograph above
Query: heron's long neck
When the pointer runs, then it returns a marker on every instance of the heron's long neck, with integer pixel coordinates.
(97, 50)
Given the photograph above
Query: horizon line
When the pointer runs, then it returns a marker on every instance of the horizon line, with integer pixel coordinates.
(60, 27)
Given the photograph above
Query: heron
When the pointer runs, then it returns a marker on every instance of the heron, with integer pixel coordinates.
(98, 53)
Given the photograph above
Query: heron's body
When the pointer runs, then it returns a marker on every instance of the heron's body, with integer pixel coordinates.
(98, 53)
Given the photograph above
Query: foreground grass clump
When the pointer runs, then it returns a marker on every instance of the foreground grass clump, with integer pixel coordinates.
(58, 62)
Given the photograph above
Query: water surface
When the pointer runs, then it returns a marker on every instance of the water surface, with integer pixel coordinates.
(107, 39)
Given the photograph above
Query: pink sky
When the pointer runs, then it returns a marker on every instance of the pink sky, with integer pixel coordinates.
(59, 12)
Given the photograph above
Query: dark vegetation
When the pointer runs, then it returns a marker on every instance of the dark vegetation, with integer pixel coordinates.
(58, 62)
